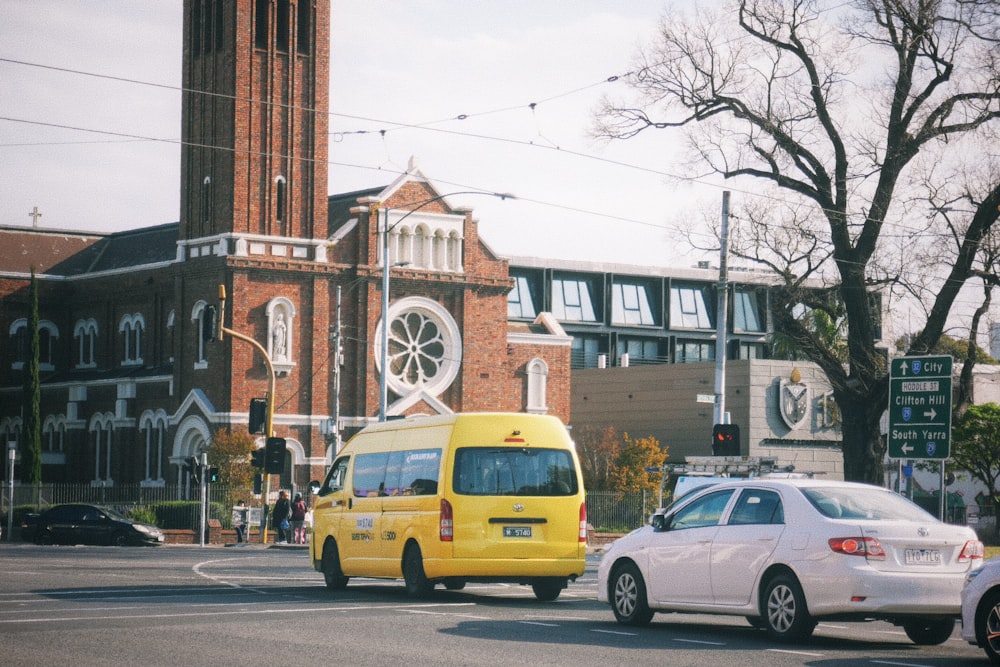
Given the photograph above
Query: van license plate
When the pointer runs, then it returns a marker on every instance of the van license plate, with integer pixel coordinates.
(517, 531)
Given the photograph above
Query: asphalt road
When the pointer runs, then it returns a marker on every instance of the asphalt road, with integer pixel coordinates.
(182, 606)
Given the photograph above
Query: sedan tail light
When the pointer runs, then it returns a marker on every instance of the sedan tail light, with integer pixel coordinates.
(972, 550)
(869, 547)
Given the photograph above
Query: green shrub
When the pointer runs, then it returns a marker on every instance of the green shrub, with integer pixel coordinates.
(143, 514)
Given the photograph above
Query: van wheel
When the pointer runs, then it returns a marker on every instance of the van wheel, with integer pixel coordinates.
(454, 584)
(332, 574)
(417, 584)
(548, 590)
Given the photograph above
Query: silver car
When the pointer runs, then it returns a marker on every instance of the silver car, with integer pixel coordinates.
(981, 609)
(787, 552)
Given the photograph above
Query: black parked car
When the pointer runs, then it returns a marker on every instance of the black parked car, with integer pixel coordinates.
(87, 524)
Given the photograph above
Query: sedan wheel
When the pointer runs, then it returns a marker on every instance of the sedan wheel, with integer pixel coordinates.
(785, 616)
(119, 540)
(628, 596)
(988, 625)
(929, 632)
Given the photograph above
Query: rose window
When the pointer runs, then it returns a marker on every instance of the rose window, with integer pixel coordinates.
(425, 346)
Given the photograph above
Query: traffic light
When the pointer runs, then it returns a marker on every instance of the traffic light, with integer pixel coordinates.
(209, 323)
(274, 456)
(257, 458)
(258, 415)
(213, 475)
(195, 468)
(258, 483)
(725, 440)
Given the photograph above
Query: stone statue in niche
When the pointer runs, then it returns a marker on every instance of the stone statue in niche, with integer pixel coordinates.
(279, 344)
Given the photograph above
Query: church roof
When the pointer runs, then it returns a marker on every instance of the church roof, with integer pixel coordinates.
(339, 206)
(73, 253)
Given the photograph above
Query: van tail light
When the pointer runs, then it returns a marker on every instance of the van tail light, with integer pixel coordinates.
(583, 522)
(869, 547)
(972, 550)
(447, 525)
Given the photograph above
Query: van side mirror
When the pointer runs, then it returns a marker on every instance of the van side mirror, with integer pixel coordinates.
(659, 522)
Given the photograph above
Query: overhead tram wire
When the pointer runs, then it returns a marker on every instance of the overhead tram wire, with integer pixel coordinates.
(398, 126)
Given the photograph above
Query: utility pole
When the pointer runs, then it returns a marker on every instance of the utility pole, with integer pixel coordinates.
(720, 319)
(338, 359)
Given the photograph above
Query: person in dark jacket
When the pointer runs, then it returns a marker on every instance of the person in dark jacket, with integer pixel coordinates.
(299, 519)
(280, 514)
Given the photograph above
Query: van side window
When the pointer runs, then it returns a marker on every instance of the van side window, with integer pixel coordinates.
(369, 474)
(412, 473)
(509, 471)
(335, 478)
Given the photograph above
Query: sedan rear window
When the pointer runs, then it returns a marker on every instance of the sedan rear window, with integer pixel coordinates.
(875, 503)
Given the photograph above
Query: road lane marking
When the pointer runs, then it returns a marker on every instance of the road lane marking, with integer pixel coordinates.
(790, 652)
(241, 612)
(698, 641)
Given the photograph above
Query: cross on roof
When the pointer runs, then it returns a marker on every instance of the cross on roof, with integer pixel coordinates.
(35, 215)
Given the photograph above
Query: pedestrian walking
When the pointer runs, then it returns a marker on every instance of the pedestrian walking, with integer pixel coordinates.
(280, 517)
(299, 519)
(240, 520)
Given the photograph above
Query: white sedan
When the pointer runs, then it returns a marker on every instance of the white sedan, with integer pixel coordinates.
(787, 552)
(981, 609)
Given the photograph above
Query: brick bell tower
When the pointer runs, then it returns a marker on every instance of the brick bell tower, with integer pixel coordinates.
(254, 119)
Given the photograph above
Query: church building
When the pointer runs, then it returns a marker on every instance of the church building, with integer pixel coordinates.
(131, 381)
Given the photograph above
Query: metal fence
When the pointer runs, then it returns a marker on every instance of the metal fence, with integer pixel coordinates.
(607, 511)
(614, 512)
(175, 506)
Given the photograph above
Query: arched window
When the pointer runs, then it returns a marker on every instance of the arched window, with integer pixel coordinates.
(21, 344)
(154, 428)
(454, 252)
(101, 429)
(206, 202)
(54, 434)
(198, 314)
(281, 197)
(422, 247)
(439, 251)
(131, 328)
(85, 332)
(538, 373)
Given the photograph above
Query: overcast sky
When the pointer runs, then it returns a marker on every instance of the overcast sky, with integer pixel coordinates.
(98, 154)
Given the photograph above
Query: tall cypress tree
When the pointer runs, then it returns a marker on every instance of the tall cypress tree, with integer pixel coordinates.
(31, 444)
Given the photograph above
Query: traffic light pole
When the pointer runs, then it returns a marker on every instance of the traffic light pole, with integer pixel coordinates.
(269, 414)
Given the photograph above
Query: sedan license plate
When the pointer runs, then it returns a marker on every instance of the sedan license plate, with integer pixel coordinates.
(517, 531)
(922, 557)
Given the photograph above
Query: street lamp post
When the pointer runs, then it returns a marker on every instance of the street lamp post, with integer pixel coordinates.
(386, 229)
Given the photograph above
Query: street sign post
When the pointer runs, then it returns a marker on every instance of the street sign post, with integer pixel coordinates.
(920, 408)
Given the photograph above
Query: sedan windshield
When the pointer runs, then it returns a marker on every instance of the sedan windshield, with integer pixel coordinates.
(875, 503)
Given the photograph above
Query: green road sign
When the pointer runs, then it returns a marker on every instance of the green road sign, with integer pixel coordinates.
(920, 408)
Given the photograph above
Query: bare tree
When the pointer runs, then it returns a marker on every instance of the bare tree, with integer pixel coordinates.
(838, 108)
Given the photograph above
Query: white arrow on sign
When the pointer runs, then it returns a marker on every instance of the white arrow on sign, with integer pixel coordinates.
(906, 448)
(932, 414)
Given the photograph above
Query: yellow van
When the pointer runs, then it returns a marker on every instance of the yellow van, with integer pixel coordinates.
(476, 497)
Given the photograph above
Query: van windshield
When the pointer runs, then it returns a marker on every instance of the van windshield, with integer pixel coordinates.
(511, 471)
